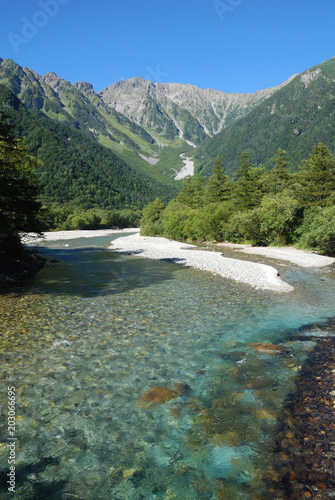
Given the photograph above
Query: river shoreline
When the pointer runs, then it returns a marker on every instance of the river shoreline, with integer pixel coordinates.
(258, 275)
(301, 258)
(301, 467)
(31, 238)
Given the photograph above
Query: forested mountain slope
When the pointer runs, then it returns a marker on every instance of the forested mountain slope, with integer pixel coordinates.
(76, 169)
(148, 125)
(295, 118)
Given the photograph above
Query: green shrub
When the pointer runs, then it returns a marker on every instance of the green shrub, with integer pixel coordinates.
(318, 230)
(278, 216)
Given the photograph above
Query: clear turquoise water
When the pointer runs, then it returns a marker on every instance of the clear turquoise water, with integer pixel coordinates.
(86, 339)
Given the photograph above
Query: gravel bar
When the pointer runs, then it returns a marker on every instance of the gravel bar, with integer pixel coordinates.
(301, 258)
(259, 276)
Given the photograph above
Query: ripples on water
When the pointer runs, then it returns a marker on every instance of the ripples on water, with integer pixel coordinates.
(136, 379)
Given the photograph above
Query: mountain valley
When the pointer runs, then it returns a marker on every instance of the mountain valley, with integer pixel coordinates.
(152, 129)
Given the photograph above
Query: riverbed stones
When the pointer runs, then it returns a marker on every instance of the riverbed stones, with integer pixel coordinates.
(304, 453)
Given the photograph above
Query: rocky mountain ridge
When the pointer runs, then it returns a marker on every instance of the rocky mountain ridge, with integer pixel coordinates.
(152, 126)
(212, 110)
(169, 110)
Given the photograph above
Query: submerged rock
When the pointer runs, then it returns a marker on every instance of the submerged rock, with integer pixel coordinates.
(230, 438)
(268, 348)
(160, 395)
(258, 383)
(231, 463)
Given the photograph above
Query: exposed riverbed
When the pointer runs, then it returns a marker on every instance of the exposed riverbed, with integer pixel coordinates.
(187, 169)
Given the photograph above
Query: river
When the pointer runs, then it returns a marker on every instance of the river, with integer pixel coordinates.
(140, 379)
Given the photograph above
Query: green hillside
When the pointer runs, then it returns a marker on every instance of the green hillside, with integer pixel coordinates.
(78, 170)
(295, 118)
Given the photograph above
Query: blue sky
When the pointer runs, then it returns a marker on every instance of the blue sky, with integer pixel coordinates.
(228, 45)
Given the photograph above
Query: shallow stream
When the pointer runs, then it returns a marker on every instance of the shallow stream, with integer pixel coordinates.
(140, 379)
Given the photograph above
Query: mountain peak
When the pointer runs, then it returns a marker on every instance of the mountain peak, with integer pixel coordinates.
(53, 80)
(136, 82)
(83, 86)
(50, 76)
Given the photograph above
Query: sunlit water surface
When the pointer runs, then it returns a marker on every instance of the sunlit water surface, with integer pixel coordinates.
(86, 342)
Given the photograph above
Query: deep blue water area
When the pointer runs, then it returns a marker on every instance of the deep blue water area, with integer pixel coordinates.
(143, 379)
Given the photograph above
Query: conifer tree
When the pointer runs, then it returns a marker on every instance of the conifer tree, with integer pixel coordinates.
(316, 177)
(247, 187)
(191, 191)
(218, 185)
(19, 206)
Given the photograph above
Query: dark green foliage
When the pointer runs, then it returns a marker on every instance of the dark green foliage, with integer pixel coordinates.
(218, 187)
(176, 221)
(278, 217)
(279, 178)
(19, 190)
(247, 189)
(191, 191)
(212, 222)
(150, 224)
(317, 177)
(69, 217)
(318, 231)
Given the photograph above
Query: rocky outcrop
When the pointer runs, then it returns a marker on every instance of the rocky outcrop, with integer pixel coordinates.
(84, 87)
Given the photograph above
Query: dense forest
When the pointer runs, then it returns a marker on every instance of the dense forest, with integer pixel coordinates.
(21, 195)
(258, 206)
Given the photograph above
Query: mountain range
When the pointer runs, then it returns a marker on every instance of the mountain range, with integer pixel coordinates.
(141, 131)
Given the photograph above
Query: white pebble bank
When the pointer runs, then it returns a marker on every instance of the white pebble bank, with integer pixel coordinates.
(70, 235)
(259, 276)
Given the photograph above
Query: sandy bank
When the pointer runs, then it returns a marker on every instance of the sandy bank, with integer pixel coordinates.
(70, 235)
(259, 276)
(301, 258)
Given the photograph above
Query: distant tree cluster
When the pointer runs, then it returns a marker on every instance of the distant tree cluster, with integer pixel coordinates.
(257, 206)
(71, 217)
